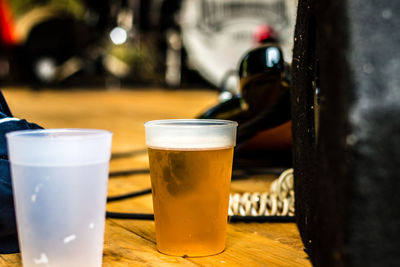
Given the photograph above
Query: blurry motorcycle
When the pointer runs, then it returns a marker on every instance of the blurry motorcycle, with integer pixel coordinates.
(210, 36)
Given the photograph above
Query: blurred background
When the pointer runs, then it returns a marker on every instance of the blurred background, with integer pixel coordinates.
(136, 43)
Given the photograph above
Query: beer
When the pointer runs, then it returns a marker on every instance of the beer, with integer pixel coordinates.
(190, 199)
(190, 169)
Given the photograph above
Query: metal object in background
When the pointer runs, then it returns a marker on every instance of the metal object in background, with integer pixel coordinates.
(262, 105)
(140, 41)
(216, 33)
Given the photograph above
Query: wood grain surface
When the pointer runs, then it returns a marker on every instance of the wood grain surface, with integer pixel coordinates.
(132, 242)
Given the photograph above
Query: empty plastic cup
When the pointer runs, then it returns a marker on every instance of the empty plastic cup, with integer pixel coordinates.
(59, 180)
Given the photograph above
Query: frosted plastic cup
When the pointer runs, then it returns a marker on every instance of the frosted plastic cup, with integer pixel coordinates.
(190, 169)
(59, 180)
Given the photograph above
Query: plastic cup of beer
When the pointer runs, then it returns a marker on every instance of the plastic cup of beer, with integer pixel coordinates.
(59, 179)
(190, 169)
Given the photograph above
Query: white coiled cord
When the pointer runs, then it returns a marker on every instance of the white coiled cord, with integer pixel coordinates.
(278, 202)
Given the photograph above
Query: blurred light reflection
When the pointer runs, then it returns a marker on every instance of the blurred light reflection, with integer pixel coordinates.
(118, 35)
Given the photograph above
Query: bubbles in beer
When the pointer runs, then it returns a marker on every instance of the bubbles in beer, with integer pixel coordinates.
(190, 198)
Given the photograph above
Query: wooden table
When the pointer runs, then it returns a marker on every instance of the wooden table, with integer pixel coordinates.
(132, 242)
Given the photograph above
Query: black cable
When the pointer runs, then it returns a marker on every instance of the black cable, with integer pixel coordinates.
(129, 195)
(145, 216)
(128, 154)
(234, 218)
(135, 216)
(128, 172)
(238, 218)
(238, 173)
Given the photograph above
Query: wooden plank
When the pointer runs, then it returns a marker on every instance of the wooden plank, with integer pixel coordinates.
(122, 112)
(245, 247)
(132, 242)
(10, 260)
(123, 247)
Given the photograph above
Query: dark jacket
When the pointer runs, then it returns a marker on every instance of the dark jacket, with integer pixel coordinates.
(8, 229)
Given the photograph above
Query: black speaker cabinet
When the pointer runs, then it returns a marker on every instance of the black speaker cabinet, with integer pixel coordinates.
(346, 128)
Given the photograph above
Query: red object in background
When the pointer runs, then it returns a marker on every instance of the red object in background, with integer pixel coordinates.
(6, 24)
(263, 33)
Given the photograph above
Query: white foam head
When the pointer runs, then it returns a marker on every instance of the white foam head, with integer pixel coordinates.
(191, 134)
(59, 147)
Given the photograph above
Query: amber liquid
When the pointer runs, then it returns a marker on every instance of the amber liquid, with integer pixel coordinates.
(190, 199)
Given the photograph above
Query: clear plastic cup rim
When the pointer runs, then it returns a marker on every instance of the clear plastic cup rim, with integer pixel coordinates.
(191, 134)
(191, 123)
(59, 147)
(58, 134)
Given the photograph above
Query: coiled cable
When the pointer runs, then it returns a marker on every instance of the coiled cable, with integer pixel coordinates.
(278, 202)
(274, 206)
